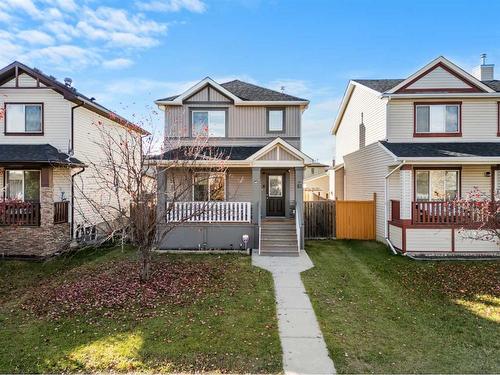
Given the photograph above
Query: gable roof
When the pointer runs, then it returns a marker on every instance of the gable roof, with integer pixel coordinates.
(380, 85)
(69, 93)
(39, 154)
(208, 153)
(242, 93)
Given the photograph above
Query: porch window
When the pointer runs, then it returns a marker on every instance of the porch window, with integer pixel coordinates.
(209, 186)
(436, 185)
(208, 123)
(23, 118)
(437, 118)
(23, 185)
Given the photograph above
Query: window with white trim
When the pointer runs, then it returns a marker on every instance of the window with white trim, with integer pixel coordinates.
(437, 118)
(208, 123)
(23, 185)
(208, 186)
(275, 120)
(436, 185)
(23, 118)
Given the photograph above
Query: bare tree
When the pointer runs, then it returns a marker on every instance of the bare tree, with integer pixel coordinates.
(481, 215)
(120, 190)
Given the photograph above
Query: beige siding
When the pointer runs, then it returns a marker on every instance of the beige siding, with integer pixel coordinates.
(285, 155)
(239, 185)
(428, 239)
(374, 111)
(339, 181)
(396, 236)
(27, 81)
(479, 122)
(270, 155)
(61, 178)
(91, 130)
(394, 186)
(319, 186)
(216, 96)
(364, 175)
(439, 78)
(56, 113)
(200, 96)
(474, 176)
(465, 242)
(244, 123)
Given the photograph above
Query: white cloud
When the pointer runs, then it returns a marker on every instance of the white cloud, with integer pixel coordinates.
(36, 37)
(196, 6)
(65, 57)
(118, 63)
(25, 5)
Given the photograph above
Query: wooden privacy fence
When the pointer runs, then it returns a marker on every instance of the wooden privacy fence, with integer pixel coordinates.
(356, 220)
(319, 219)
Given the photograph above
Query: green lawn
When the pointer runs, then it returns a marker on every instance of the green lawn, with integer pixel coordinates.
(87, 313)
(389, 314)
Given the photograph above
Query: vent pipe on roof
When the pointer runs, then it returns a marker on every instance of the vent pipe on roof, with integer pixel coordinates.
(485, 72)
(68, 81)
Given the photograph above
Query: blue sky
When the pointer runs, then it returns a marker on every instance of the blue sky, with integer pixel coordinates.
(128, 53)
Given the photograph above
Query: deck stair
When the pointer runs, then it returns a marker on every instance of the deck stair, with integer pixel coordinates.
(279, 237)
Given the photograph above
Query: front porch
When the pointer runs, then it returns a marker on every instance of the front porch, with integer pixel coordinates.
(443, 209)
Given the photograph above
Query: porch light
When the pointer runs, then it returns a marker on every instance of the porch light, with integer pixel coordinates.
(487, 174)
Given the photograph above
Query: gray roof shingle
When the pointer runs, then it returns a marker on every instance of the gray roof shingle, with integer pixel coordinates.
(36, 154)
(383, 85)
(208, 152)
(249, 92)
(441, 149)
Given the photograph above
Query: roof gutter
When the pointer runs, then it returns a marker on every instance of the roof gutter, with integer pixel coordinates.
(386, 205)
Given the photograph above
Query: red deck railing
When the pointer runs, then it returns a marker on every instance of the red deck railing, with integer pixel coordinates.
(451, 212)
(20, 213)
(395, 209)
(61, 212)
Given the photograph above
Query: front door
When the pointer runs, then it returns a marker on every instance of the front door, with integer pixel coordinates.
(275, 195)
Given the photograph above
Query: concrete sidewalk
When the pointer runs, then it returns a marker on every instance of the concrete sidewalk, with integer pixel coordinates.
(304, 349)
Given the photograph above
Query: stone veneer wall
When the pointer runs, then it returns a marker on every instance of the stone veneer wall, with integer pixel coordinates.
(41, 241)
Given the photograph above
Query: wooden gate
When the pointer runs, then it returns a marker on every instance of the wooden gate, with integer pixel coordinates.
(319, 219)
(356, 220)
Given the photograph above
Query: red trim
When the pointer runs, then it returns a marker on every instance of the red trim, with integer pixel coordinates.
(475, 87)
(407, 167)
(452, 240)
(426, 135)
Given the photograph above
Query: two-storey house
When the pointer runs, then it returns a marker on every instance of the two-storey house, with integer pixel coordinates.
(257, 196)
(422, 143)
(49, 138)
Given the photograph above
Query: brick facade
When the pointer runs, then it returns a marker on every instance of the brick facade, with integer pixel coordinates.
(41, 241)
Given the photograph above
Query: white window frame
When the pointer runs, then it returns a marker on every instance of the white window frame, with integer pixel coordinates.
(7, 171)
(268, 115)
(197, 110)
(16, 132)
(209, 178)
(443, 130)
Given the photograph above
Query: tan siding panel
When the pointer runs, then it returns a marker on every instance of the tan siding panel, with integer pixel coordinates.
(474, 176)
(57, 117)
(439, 78)
(239, 185)
(428, 239)
(216, 96)
(466, 242)
(396, 236)
(364, 175)
(200, 96)
(27, 81)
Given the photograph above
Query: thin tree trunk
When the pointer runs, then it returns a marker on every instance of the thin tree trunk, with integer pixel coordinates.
(145, 259)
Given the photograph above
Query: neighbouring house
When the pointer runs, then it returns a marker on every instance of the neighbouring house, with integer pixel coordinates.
(317, 182)
(49, 137)
(421, 143)
(257, 131)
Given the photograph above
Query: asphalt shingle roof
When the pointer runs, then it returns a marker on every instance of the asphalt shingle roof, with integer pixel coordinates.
(249, 92)
(39, 154)
(440, 150)
(383, 85)
(208, 152)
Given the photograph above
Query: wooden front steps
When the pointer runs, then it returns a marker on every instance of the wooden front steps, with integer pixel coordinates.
(278, 237)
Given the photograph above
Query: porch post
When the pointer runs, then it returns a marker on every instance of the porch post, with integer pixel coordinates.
(161, 192)
(256, 195)
(406, 180)
(46, 198)
(299, 200)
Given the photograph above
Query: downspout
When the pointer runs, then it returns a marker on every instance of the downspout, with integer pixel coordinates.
(73, 201)
(71, 149)
(386, 200)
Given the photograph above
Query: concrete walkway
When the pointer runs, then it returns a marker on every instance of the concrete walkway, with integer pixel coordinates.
(304, 349)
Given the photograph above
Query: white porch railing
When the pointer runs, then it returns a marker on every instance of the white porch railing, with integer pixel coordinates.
(209, 212)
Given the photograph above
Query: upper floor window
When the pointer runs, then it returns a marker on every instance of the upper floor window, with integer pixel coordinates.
(23, 118)
(275, 120)
(208, 123)
(437, 119)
